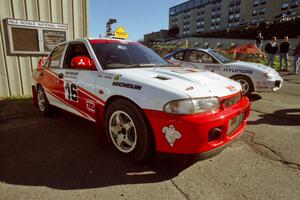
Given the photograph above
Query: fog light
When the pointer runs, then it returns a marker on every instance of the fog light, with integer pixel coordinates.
(214, 134)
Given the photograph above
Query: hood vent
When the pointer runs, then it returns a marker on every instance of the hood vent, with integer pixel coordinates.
(163, 78)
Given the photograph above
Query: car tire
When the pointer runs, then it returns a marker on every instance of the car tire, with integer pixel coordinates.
(43, 103)
(246, 83)
(128, 131)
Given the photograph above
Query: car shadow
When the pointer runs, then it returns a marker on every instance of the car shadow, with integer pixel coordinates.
(64, 152)
(254, 97)
(284, 117)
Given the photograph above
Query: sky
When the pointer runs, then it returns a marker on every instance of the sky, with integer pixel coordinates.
(138, 17)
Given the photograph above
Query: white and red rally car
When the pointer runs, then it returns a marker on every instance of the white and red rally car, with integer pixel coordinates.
(145, 104)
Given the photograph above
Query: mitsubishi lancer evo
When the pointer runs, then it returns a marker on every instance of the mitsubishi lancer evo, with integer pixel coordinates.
(145, 104)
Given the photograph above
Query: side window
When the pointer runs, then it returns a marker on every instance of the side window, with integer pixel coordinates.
(55, 57)
(179, 55)
(199, 57)
(192, 56)
(74, 50)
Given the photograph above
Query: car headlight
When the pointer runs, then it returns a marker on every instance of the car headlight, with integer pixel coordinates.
(193, 106)
(268, 75)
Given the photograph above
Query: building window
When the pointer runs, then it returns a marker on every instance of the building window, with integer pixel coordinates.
(294, 3)
(262, 11)
(256, 3)
(263, 2)
(213, 14)
(254, 12)
(253, 21)
(237, 17)
(285, 6)
(172, 11)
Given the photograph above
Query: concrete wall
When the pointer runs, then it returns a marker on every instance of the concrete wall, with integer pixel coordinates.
(15, 71)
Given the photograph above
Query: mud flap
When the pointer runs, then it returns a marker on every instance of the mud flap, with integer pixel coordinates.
(100, 126)
(34, 96)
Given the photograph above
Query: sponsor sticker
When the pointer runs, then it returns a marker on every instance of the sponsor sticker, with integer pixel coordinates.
(237, 70)
(117, 77)
(71, 76)
(108, 77)
(90, 106)
(231, 88)
(127, 85)
(261, 85)
(171, 134)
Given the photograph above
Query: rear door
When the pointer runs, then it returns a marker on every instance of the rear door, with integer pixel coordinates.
(51, 80)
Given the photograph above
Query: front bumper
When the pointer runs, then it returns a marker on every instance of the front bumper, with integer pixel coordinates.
(268, 85)
(192, 134)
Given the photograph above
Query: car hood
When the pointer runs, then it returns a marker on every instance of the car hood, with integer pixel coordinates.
(192, 82)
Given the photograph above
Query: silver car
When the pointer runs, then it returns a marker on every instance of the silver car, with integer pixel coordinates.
(253, 77)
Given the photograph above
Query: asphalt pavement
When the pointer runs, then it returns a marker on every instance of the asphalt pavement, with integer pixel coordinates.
(63, 158)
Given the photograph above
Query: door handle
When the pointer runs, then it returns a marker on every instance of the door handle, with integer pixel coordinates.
(60, 75)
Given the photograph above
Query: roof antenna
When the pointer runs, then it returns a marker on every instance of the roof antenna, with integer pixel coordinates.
(108, 27)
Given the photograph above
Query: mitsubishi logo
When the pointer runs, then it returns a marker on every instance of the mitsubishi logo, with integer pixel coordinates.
(81, 62)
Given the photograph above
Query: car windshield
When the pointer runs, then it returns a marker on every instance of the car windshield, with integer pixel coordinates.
(122, 54)
(221, 57)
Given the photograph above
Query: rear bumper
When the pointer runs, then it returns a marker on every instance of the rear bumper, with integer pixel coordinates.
(191, 134)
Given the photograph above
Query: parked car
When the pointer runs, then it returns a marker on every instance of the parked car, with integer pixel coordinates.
(253, 77)
(145, 104)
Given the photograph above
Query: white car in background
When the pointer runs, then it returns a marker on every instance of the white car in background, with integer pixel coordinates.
(253, 77)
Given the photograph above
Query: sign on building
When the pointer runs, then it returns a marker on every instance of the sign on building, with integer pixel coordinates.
(34, 37)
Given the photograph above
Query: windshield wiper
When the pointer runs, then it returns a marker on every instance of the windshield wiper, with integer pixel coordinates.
(142, 65)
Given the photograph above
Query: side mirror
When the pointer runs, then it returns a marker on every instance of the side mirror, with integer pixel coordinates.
(82, 62)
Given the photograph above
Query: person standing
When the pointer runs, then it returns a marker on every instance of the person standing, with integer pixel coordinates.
(284, 53)
(271, 49)
(297, 56)
(259, 40)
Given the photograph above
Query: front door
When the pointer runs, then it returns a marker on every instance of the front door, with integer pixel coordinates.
(202, 60)
(79, 83)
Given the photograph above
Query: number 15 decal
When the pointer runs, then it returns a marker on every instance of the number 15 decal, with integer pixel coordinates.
(71, 91)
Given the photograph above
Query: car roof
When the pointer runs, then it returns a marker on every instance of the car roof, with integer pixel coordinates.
(97, 40)
(168, 56)
(195, 49)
